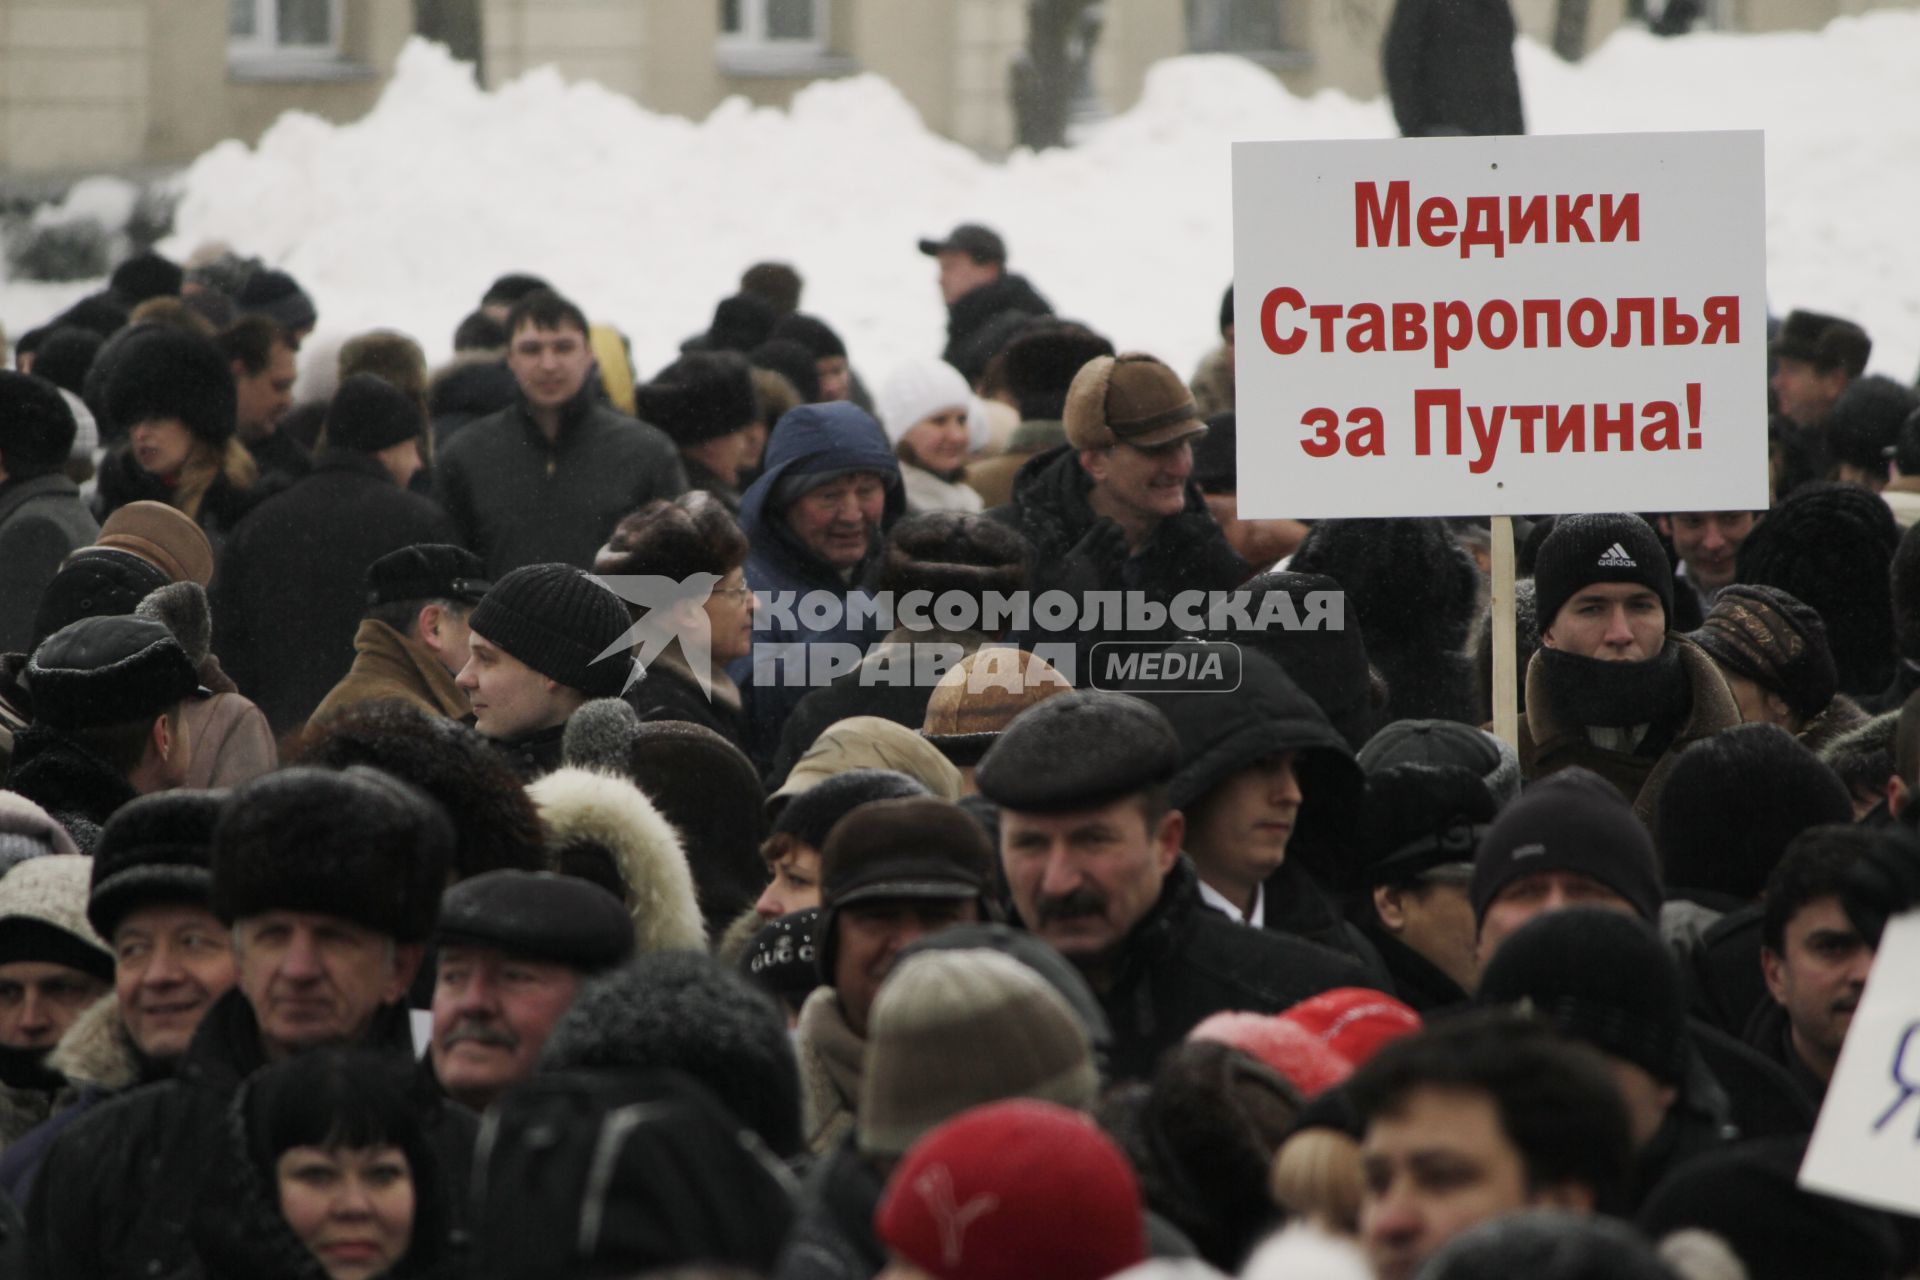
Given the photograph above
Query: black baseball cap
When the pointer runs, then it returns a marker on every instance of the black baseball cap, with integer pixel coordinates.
(977, 242)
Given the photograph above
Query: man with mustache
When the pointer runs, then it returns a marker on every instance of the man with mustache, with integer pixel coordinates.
(1091, 847)
(514, 949)
(1814, 960)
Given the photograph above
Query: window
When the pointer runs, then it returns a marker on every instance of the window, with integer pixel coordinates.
(772, 36)
(1236, 26)
(283, 29)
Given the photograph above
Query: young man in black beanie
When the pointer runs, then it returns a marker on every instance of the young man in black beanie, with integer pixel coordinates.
(291, 590)
(42, 519)
(413, 638)
(1610, 688)
(107, 695)
(330, 883)
(543, 641)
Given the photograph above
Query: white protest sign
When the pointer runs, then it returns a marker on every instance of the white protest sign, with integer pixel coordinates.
(1866, 1145)
(1500, 326)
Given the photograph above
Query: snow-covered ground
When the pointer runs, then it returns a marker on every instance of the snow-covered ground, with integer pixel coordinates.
(400, 219)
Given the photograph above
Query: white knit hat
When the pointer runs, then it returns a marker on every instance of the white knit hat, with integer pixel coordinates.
(917, 390)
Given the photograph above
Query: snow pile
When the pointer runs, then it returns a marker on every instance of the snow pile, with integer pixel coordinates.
(401, 219)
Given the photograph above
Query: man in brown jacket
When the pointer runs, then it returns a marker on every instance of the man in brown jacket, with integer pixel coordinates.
(413, 639)
(1610, 688)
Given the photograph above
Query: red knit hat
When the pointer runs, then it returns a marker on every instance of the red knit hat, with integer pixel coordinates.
(1289, 1050)
(1012, 1190)
(1354, 1022)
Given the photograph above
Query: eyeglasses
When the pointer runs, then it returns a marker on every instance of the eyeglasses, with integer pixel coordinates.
(733, 593)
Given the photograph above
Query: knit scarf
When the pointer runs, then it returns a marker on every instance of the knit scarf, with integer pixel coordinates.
(1615, 695)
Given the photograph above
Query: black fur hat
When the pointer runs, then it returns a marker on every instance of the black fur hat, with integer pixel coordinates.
(811, 332)
(161, 372)
(701, 396)
(155, 848)
(496, 826)
(1040, 365)
(65, 356)
(686, 1011)
(1826, 342)
(358, 844)
(741, 322)
(146, 275)
(1734, 801)
(939, 551)
(1831, 546)
(811, 815)
(1328, 663)
(791, 361)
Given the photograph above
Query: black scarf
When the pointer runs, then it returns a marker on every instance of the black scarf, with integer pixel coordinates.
(28, 1069)
(1616, 695)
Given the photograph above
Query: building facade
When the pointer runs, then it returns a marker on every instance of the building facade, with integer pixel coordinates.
(125, 85)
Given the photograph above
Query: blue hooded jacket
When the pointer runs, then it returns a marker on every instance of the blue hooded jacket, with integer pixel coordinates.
(814, 439)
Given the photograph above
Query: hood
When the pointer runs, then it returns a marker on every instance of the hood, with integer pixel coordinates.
(1221, 734)
(837, 436)
(584, 805)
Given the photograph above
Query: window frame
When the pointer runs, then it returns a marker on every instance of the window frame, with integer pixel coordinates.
(265, 46)
(750, 50)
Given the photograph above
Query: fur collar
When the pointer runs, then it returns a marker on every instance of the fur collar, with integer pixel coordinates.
(96, 1051)
(831, 1061)
(606, 809)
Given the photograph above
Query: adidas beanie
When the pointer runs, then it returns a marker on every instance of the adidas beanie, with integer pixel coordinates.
(1583, 550)
(558, 620)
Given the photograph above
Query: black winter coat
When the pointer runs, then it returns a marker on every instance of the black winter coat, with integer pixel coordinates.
(1450, 68)
(984, 320)
(117, 1194)
(668, 693)
(291, 588)
(518, 499)
(833, 1238)
(1187, 552)
(76, 786)
(1183, 962)
(122, 481)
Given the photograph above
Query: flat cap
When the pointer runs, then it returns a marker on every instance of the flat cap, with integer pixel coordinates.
(538, 914)
(427, 571)
(1079, 751)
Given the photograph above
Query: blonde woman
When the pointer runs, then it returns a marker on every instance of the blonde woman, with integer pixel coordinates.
(172, 393)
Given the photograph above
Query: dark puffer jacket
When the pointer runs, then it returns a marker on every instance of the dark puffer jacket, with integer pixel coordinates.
(117, 1194)
(517, 498)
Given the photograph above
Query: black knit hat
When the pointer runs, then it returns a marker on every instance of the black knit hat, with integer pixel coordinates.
(1610, 547)
(811, 332)
(1734, 801)
(1600, 977)
(155, 848)
(1575, 821)
(146, 275)
(811, 815)
(279, 297)
(427, 571)
(1863, 429)
(1421, 816)
(36, 426)
(538, 914)
(368, 414)
(161, 372)
(107, 671)
(1078, 750)
(741, 322)
(914, 848)
(780, 958)
(1039, 366)
(703, 395)
(359, 844)
(95, 582)
(1775, 641)
(559, 620)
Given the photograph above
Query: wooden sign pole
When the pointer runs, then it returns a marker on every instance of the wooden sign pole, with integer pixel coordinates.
(1506, 694)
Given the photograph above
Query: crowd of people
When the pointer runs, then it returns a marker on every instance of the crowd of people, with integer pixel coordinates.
(531, 819)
